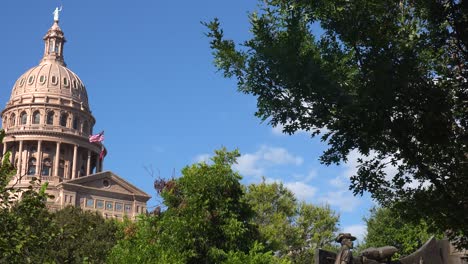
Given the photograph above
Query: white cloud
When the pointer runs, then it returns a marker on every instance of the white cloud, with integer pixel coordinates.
(301, 190)
(203, 158)
(279, 156)
(354, 155)
(311, 175)
(277, 130)
(255, 164)
(343, 199)
(247, 165)
(339, 182)
(359, 231)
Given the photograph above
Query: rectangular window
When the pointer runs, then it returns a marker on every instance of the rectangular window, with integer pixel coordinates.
(90, 203)
(118, 207)
(100, 204)
(71, 198)
(138, 209)
(128, 208)
(109, 206)
(66, 198)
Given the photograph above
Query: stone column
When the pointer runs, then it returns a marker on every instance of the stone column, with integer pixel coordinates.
(75, 157)
(20, 157)
(88, 164)
(13, 150)
(39, 157)
(5, 147)
(57, 160)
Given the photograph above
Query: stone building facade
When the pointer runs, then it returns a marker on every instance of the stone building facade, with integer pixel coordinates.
(47, 122)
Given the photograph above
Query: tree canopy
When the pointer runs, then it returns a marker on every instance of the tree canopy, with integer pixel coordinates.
(207, 216)
(29, 233)
(386, 228)
(386, 78)
(291, 229)
(206, 220)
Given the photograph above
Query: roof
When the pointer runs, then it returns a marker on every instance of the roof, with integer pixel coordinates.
(93, 182)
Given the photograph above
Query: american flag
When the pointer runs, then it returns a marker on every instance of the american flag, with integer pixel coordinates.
(103, 152)
(97, 138)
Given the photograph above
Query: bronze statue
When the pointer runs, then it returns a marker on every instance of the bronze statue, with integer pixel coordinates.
(345, 256)
(433, 251)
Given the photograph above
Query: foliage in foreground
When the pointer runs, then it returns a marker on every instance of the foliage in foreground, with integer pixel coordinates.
(386, 228)
(31, 234)
(26, 224)
(387, 79)
(206, 220)
(291, 229)
(211, 218)
(81, 236)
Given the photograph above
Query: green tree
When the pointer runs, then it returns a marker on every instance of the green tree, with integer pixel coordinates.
(275, 210)
(386, 78)
(206, 220)
(26, 228)
(81, 236)
(290, 229)
(386, 228)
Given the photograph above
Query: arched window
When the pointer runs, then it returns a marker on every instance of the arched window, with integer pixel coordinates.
(85, 128)
(36, 117)
(12, 120)
(32, 166)
(75, 123)
(50, 118)
(24, 118)
(63, 119)
(46, 167)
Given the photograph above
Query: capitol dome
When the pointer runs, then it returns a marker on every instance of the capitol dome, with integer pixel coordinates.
(48, 136)
(47, 120)
(51, 77)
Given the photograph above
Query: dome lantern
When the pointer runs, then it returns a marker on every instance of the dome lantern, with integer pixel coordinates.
(54, 41)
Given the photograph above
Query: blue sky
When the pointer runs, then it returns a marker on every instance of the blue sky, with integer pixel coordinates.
(153, 88)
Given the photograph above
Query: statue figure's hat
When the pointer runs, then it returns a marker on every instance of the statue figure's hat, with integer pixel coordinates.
(342, 236)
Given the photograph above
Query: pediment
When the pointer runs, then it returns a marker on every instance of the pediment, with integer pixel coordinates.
(106, 181)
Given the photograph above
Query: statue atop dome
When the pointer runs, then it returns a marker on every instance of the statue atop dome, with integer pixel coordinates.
(56, 13)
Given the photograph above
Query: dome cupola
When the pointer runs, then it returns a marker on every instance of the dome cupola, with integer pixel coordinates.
(47, 120)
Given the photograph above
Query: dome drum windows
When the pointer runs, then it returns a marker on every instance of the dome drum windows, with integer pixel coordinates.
(24, 118)
(65, 82)
(50, 118)
(64, 119)
(76, 122)
(12, 120)
(85, 130)
(21, 82)
(36, 118)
